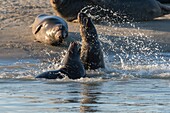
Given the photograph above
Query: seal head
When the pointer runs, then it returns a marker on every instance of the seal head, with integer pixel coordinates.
(72, 66)
(58, 33)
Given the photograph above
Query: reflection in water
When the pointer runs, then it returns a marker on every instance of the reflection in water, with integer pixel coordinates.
(90, 96)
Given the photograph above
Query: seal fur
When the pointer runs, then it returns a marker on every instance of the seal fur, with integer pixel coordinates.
(91, 52)
(73, 67)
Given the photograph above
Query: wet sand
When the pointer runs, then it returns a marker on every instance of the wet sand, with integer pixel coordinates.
(17, 40)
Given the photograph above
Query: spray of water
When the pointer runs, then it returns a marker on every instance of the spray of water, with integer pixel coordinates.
(105, 16)
(131, 52)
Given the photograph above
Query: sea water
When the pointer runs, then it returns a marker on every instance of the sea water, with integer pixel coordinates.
(124, 88)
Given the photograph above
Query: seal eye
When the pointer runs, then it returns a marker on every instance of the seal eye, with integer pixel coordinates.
(37, 29)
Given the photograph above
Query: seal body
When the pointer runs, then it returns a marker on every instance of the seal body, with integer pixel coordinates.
(50, 30)
(135, 10)
(68, 9)
(73, 67)
(120, 10)
(91, 53)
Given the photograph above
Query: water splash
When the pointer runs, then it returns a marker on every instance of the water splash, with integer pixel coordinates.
(105, 16)
(128, 52)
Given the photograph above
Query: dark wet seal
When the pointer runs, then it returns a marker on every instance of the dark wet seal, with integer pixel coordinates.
(120, 10)
(91, 52)
(68, 9)
(51, 30)
(73, 67)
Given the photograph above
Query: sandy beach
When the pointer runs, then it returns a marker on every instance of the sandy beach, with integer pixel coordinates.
(16, 39)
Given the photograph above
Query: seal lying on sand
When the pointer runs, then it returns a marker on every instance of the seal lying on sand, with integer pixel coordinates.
(135, 10)
(68, 9)
(49, 29)
(129, 10)
(91, 53)
(73, 67)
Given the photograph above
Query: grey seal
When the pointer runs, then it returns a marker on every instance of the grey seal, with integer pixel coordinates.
(49, 29)
(91, 52)
(68, 9)
(73, 67)
(120, 10)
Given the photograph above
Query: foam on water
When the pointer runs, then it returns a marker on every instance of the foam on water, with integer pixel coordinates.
(115, 70)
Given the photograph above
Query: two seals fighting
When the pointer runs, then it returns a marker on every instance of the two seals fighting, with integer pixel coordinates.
(50, 30)
(73, 67)
(131, 10)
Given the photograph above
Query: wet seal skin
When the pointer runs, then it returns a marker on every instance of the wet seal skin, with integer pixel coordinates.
(91, 52)
(48, 29)
(68, 9)
(120, 10)
(73, 67)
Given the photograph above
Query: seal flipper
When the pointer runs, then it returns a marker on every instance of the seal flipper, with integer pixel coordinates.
(37, 29)
(52, 74)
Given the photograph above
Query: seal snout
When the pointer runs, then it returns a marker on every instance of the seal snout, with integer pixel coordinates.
(83, 19)
(58, 36)
(81, 16)
(60, 33)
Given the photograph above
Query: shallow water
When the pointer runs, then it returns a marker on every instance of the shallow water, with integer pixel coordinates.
(119, 88)
(136, 79)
